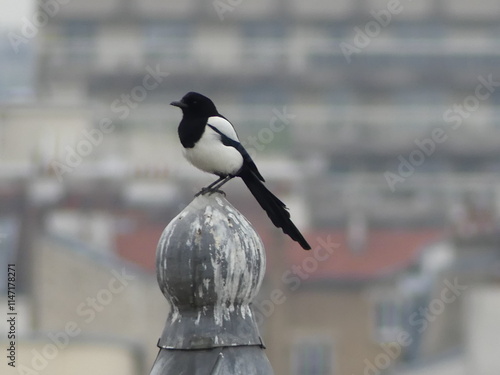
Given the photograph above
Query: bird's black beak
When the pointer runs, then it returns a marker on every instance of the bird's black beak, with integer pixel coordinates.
(179, 104)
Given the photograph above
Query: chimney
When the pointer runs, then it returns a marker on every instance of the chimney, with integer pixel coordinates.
(357, 231)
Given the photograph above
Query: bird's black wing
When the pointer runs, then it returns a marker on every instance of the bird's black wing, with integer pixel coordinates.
(247, 159)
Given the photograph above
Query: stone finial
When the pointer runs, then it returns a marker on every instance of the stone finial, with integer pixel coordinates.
(210, 264)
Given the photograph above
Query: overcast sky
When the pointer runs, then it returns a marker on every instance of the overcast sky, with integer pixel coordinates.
(13, 11)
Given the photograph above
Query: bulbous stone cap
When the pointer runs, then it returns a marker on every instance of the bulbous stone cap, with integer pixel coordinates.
(210, 265)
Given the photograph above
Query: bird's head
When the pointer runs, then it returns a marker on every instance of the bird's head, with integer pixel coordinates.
(196, 104)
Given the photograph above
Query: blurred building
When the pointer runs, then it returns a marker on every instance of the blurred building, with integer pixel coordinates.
(341, 302)
(369, 117)
(17, 71)
(370, 89)
(457, 282)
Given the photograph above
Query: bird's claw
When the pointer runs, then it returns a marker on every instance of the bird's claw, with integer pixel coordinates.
(203, 191)
(217, 191)
(208, 191)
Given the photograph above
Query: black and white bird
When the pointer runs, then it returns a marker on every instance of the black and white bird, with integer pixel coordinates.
(212, 145)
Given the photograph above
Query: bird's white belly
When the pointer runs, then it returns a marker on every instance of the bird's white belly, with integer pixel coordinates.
(210, 155)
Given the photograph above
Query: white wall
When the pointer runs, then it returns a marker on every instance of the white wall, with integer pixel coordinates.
(119, 47)
(31, 133)
(107, 358)
(483, 330)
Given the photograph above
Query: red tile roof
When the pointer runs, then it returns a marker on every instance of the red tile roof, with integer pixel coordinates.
(139, 246)
(385, 252)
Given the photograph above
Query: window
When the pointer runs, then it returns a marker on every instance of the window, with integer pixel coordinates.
(266, 119)
(259, 103)
(420, 97)
(264, 96)
(324, 50)
(9, 231)
(80, 42)
(326, 59)
(431, 32)
(312, 356)
(169, 41)
(387, 318)
(17, 71)
(263, 44)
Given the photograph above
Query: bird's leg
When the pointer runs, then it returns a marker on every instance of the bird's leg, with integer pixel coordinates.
(217, 186)
(209, 187)
(214, 186)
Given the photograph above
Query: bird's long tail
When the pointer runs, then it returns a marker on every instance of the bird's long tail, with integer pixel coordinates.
(275, 208)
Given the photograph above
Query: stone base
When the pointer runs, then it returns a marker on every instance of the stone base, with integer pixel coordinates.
(228, 360)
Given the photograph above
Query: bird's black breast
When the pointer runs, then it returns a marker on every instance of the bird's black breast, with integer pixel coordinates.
(190, 130)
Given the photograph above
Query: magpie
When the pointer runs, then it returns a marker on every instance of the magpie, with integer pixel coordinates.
(212, 145)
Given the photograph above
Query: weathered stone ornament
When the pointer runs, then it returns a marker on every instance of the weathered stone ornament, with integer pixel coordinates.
(210, 264)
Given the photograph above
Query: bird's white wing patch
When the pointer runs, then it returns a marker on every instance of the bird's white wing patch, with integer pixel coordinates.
(224, 126)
